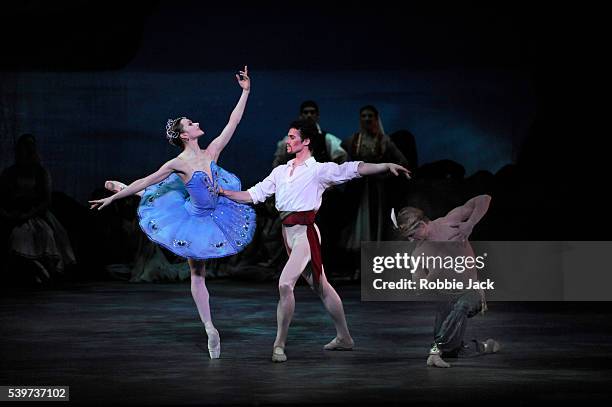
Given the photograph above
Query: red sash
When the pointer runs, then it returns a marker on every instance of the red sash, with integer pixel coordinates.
(307, 218)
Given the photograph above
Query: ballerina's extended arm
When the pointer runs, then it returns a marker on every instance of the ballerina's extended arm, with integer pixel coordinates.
(218, 144)
(137, 186)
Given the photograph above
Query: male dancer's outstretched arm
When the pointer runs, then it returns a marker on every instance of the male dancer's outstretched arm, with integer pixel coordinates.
(237, 196)
(268, 184)
(371, 169)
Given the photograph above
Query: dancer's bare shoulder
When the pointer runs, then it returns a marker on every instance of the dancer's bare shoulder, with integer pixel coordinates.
(179, 165)
(175, 164)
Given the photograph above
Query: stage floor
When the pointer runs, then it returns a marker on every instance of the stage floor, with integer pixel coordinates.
(115, 342)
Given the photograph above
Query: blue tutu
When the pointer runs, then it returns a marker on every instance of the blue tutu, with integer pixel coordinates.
(191, 219)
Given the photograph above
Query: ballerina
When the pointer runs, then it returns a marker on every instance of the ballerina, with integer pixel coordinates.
(181, 209)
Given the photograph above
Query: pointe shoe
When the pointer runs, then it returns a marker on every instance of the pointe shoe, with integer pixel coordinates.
(436, 361)
(278, 354)
(214, 344)
(491, 346)
(114, 186)
(337, 344)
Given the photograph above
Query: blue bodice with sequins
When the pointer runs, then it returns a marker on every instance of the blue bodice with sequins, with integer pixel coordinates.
(203, 193)
(192, 220)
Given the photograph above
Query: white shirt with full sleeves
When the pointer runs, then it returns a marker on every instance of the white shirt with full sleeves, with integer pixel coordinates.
(302, 190)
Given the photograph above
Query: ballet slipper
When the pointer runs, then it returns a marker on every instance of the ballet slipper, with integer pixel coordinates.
(214, 343)
(278, 354)
(337, 344)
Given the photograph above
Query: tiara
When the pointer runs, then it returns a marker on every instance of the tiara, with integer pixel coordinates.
(171, 134)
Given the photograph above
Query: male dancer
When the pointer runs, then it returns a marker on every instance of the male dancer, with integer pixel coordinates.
(299, 186)
(457, 306)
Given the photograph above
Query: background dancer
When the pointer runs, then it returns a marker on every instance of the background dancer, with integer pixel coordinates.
(457, 305)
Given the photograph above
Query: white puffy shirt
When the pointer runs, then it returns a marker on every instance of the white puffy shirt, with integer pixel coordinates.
(302, 191)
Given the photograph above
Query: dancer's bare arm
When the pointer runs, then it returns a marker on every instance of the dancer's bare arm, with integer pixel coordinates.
(138, 185)
(257, 193)
(218, 144)
(116, 186)
(371, 169)
(467, 216)
(237, 196)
